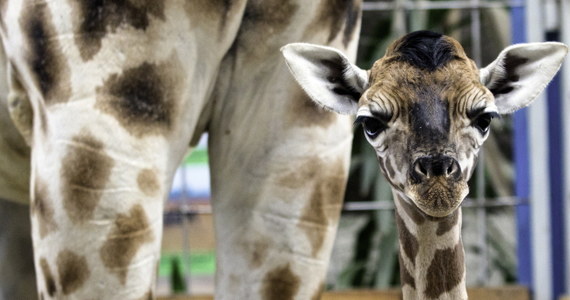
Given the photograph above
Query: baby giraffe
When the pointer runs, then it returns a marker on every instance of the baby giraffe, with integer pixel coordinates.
(426, 109)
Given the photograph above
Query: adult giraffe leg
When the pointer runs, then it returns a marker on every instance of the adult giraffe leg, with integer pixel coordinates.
(279, 163)
(97, 208)
(115, 101)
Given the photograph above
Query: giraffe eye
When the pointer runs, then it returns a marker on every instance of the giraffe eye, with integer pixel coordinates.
(483, 122)
(372, 126)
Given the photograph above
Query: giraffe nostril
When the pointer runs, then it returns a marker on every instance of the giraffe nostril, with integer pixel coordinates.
(454, 170)
(421, 169)
(437, 165)
(450, 170)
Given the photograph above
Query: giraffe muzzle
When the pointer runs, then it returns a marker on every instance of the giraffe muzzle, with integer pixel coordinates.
(438, 186)
(428, 167)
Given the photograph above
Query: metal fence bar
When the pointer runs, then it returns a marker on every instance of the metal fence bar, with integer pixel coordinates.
(565, 38)
(481, 214)
(467, 203)
(539, 173)
(389, 205)
(428, 5)
(555, 156)
(521, 162)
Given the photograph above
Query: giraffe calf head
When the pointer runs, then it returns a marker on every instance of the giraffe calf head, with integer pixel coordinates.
(425, 106)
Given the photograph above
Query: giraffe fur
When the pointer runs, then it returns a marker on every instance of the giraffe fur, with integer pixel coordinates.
(118, 90)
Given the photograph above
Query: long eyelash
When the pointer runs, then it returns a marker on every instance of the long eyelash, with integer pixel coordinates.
(359, 120)
(495, 115)
(383, 117)
(478, 112)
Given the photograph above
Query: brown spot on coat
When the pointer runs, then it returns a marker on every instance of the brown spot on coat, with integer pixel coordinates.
(447, 223)
(405, 276)
(407, 240)
(445, 272)
(262, 21)
(130, 232)
(324, 205)
(299, 177)
(85, 172)
(73, 271)
(142, 99)
(270, 16)
(47, 64)
(148, 182)
(48, 277)
(412, 211)
(259, 250)
(2, 11)
(42, 207)
(280, 283)
(212, 11)
(305, 112)
(96, 18)
(335, 14)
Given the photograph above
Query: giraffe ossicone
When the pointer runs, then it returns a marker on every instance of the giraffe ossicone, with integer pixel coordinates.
(426, 109)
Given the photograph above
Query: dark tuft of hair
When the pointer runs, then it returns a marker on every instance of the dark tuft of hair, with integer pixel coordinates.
(425, 50)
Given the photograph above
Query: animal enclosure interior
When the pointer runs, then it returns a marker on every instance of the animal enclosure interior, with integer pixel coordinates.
(497, 225)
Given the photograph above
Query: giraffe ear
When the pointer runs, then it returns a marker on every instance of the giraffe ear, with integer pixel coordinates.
(327, 76)
(521, 72)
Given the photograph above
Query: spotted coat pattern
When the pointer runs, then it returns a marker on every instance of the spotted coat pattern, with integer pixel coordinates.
(118, 89)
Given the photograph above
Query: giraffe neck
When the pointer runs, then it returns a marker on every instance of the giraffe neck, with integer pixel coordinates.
(432, 262)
